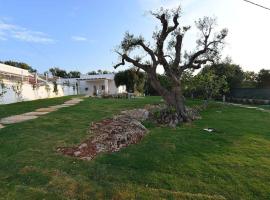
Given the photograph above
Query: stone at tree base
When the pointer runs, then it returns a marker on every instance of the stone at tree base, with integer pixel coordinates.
(139, 114)
(16, 119)
(167, 116)
(77, 153)
(83, 145)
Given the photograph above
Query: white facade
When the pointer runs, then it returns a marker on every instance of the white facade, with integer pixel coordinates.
(13, 77)
(96, 84)
(28, 93)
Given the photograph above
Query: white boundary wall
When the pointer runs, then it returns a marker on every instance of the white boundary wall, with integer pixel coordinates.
(28, 93)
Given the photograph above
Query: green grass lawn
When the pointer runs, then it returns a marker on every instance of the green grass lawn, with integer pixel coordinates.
(181, 163)
(28, 106)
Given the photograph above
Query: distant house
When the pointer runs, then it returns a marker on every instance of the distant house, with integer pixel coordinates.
(93, 85)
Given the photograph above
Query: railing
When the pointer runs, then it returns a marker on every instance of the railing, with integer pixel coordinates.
(33, 80)
(14, 78)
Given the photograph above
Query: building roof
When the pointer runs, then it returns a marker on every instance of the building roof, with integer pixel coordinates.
(96, 77)
(7, 69)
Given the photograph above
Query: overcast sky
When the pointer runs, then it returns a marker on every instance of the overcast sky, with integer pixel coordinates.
(80, 34)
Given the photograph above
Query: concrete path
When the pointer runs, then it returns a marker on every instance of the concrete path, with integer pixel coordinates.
(249, 107)
(37, 113)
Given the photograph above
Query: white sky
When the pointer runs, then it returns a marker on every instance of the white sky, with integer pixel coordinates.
(248, 43)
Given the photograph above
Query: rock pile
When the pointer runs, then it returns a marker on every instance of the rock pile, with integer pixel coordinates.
(138, 114)
(110, 135)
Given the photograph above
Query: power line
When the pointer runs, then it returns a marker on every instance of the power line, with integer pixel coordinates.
(257, 4)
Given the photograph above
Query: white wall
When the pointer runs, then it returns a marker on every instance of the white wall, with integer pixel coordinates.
(112, 89)
(28, 93)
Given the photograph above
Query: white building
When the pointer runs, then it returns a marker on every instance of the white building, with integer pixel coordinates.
(93, 85)
(13, 73)
(20, 85)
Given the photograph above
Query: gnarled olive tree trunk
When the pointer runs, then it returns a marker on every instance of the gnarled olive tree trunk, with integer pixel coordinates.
(173, 98)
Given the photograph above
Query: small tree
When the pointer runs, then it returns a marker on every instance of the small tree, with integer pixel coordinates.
(233, 73)
(77, 88)
(92, 73)
(48, 89)
(55, 87)
(250, 80)
(172, 58)
(3, 88)
(133, 79)
(189, 83)
(74, 74)
(17, 88)
(55, 71)
(211, 85)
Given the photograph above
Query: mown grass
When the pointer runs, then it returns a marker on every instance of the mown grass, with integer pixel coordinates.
(28, 106)
(181, 163)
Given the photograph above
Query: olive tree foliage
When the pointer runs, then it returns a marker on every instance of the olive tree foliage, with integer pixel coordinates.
(168, 52)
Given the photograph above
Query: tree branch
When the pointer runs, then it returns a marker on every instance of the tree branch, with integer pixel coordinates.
(178, 48)
(163, 35)
(126, 58)
(149, 51)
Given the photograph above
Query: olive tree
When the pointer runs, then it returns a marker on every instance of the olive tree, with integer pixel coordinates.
(168, 53)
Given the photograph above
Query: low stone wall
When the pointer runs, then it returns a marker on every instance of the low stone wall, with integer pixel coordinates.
(28, 92)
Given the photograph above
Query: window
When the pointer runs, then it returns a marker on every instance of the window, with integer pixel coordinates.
(103, 87)
(86, 89)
